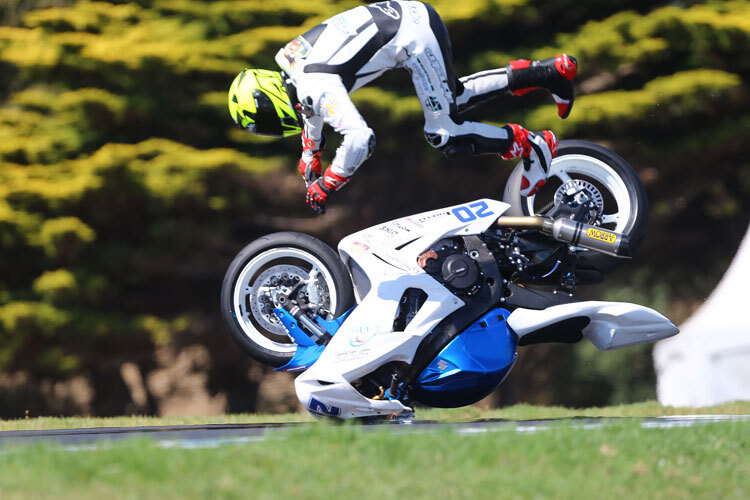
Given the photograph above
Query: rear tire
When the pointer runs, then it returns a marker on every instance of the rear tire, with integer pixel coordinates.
(268, 266)
(622, 194)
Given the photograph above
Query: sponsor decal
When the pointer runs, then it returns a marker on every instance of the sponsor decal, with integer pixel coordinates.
(401, 227)
(601, 235)
(422, 81)
(385, 8)
(362, 334)
(423, 71)
(516, 150)
(341, 24)
(328, 104)
(420, 76)
(351, 355)
(416, 223)
(435, 215)
(414, 14)
(361, 246)
(320, 408)
(433, 104)
(437, 67)
(296, 49)
(388, 230)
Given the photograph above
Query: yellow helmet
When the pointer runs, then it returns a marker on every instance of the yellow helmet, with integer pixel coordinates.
(259, 102)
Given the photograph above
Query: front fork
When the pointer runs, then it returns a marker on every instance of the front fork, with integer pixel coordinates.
(308, 330)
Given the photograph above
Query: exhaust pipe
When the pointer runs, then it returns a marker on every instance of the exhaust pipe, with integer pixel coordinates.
(574, 233)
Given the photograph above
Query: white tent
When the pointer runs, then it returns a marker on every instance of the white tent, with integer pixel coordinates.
(708, 362)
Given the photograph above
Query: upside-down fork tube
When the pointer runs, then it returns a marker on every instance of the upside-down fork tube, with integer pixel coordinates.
(574, 233)
(319, 334)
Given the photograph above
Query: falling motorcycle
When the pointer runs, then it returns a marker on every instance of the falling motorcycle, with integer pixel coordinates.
(431, 308)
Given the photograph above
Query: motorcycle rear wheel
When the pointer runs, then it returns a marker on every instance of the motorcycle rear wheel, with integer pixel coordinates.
(614, 182)
(271, 265)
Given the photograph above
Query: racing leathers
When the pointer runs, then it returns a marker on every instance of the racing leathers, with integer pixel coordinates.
(328, 62)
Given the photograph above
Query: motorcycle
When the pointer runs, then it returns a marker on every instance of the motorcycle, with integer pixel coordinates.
(431, 308)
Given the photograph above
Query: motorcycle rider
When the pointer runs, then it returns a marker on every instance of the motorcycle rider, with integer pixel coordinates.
(320, 68)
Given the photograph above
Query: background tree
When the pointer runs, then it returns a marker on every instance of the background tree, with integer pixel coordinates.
(125, 190)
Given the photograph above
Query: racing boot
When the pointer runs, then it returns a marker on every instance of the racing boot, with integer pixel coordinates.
(555, 74)
(537, 151)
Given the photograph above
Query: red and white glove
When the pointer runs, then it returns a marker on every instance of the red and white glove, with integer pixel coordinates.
(537, 151)
(309, 163)
(318, 190)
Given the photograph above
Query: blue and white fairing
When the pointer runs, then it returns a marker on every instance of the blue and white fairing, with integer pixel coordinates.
(471, 365)
(382, 261)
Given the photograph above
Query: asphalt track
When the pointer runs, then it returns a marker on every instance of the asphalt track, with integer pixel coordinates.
(206, 436)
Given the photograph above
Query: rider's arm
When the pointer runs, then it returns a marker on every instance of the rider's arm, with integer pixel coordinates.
(329, 102)
(337, 110)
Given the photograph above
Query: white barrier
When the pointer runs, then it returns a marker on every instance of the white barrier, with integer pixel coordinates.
(709, 361)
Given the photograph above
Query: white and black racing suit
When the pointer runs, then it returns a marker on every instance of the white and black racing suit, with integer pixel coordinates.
(353, 48)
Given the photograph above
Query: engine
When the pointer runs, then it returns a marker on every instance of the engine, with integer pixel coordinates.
(450, 264)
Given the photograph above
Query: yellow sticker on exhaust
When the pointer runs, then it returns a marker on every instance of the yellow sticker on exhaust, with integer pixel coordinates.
(601, 235)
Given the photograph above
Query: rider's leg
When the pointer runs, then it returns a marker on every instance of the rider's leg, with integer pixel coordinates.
(432, 73)
(456, 137)
(429, 63)
(481, 87)
(431, 68)
(519, 77)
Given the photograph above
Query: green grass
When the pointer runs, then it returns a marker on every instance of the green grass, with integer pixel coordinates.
(619, 460)
(517, 412)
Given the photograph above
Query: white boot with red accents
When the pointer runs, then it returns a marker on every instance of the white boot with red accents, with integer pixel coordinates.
(537, 151)
(555, 74)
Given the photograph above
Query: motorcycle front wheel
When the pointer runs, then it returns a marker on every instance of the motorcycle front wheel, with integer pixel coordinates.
(606, 178)
(271, 266)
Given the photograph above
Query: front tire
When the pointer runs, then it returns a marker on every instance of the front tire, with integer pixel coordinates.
(271, 265)
(614, 183)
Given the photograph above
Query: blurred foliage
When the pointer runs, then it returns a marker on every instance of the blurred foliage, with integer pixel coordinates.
(125, 190)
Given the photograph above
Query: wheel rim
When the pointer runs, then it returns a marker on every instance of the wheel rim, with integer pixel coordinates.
(255, 283)
(567, 168)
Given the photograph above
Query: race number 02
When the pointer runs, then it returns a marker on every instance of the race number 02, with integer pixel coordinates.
(468, 213)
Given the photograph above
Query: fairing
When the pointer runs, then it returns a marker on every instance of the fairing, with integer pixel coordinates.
(612, 325)
(471, 366)
(382, 261)
(387, 255)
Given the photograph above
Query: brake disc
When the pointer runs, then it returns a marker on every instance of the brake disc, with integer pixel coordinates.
(583, 192)
(280, 280)
(267, 287)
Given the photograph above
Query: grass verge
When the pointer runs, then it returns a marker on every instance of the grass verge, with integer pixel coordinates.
(517, 412)
(618, 460)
